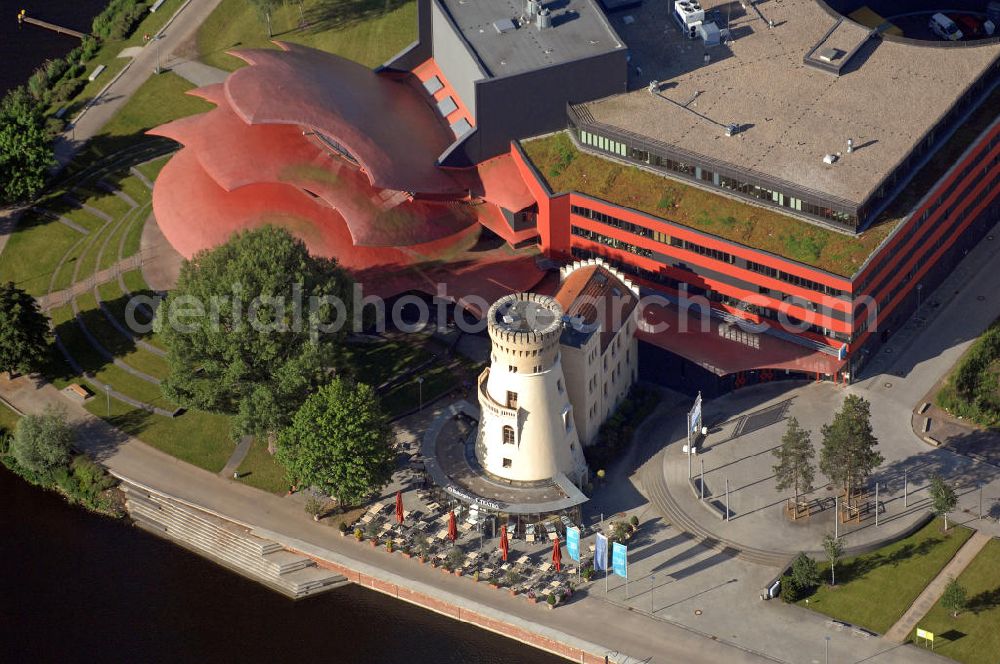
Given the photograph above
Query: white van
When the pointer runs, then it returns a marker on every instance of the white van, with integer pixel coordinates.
(944, 27)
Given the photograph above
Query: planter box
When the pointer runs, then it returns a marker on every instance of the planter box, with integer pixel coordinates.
(458, 572)
(513, 593)
(407, 555)
(533, 600)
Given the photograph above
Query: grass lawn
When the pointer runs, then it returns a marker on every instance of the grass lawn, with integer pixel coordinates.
(974, 636)
(151, 169)
(159, 100)
(875, 589)
(34, 250)
(8, 418)
(199, 438)
(107, 55)
(970, 390)
(438, 379)
(375, 363)
(367, 31)
(259, 469)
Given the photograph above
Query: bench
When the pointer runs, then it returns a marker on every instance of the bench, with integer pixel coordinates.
(78, 391)
(97, 72)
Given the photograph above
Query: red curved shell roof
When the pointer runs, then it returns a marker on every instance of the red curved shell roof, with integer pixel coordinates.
(256, 159)
(236, 154)
(348, 103)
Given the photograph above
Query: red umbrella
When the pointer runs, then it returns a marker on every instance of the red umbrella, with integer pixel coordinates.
(504, 545)
(556, 554)
(399, 507)
(452, 528)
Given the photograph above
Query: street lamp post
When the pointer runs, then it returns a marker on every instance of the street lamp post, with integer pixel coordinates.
(876, 504)
(906, 486)
(827, 651)
(702, 479)
(920, 287)
(420, 391)
(652, 586)
(107, 392)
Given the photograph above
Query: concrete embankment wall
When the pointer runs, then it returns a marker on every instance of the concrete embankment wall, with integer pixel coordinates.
(297, 569)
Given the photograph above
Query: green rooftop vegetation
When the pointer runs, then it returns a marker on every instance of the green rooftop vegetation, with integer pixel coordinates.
(366, 31)
(565, 169)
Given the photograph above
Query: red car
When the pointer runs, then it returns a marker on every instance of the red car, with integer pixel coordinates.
(970, 26)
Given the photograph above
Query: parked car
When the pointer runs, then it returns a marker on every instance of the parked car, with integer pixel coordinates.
(944, 27)
(969, 25)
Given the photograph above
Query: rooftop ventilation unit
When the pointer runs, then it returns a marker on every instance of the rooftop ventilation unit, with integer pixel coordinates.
(544, 19)
(688, 13)
(504, 25)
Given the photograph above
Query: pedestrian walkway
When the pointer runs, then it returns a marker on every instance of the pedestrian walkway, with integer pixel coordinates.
(59, 298)
(240, 453)
(932, 593)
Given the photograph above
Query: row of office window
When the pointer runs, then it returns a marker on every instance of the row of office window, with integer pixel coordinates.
(692, 171)
(604, 143)
(610, 242)
(793, 279)
(916, 224)
(722, 256)
(663, 279)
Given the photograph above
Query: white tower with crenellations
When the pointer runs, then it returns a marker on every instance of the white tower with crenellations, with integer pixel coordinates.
(527, 431)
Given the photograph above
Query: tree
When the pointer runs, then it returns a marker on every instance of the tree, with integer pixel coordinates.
(943, 498)
(26, 151)
(42, 442)
(264, 9)
(339, 442)
(954, 597)
(794, 469)
(23, 331)
(834, 550)
(805, 572)
(244, 328)
(849, 456)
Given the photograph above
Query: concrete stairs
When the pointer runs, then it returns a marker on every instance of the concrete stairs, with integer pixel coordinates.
(654, 486)
(229, 544)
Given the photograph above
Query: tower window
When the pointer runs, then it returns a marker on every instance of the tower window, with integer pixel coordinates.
(508, 435)
(559, 385)
(506, 463)
(512, 399)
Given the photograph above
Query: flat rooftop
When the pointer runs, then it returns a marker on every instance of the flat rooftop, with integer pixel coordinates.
(579, 30)
(791, 115)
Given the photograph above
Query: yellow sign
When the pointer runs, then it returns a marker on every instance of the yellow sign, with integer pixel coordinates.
(924, 634)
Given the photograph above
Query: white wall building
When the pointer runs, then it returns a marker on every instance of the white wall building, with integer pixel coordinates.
(600, 354)
(527, 429)
(559, 366)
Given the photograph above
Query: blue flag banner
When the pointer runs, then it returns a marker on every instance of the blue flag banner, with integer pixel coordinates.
(573, 543)
(601, 553)
(619, 559)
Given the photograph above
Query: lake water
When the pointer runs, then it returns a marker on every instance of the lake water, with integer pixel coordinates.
(78, 587)
(23, 49)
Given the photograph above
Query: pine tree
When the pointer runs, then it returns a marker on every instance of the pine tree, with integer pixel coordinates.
(795, 469)
(848, 456)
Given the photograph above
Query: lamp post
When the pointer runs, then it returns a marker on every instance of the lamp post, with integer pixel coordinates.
(906, 485)
(420, 391)
(107, 392)
(652, 586)
(827, 651)
(156, 39)
(920, 287)
(702, 480)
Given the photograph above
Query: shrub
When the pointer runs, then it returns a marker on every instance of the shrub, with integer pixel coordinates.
(358, 535)
(805, 573)
(314, 507)
(790, 591)
(455, 558)
(634, 521)
(587, 573)
(42, 442)
(342, 527)
(512, 578)
(552, 599)
(619, 532)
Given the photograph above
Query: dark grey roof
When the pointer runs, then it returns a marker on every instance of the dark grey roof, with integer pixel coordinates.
(579, 30)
